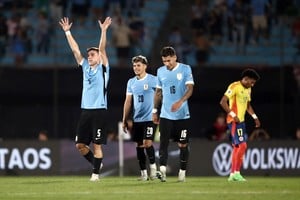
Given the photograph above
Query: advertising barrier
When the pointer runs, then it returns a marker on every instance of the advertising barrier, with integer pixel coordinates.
(207, 158)
(26, 157)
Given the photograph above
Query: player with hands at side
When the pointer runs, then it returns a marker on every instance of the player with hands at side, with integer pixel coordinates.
(91, 127)
(174, 88)
(140, 92)
(235, 102)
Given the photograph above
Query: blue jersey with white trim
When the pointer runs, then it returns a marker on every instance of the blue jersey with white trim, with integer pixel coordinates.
(94, 86)
(173, 84)
(142, 91)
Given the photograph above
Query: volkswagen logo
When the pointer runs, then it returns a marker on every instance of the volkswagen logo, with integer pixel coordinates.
(221, 159)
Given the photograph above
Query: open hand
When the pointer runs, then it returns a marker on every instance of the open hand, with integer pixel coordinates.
(106, 23)
(65, 24)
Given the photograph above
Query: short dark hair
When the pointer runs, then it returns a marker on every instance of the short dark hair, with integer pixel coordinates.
(140, 58)
(251, 73)
(167, 51)
(92, 48)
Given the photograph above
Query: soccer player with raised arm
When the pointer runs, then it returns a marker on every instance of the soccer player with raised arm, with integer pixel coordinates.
(140, 92)
(174, 88)
(95, 70)
(236, 101)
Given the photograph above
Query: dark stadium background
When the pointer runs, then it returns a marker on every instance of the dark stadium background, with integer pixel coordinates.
(32, 100)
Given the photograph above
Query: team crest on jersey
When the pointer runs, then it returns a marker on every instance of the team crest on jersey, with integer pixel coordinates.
(146, 86)
(179, 76)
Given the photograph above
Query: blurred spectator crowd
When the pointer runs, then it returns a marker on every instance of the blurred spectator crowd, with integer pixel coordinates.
(28, 27)
(238, 24)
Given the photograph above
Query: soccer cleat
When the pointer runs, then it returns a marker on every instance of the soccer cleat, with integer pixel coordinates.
(230, 178)
(163, 172)
(181, 175)
(153, 173)
(158, 175)
(238, 177)
(144, 176)
(94, 177)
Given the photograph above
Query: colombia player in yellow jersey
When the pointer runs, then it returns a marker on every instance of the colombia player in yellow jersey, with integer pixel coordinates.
(236, 101)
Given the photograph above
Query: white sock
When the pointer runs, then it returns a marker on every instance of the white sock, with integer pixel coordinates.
(163, 168)
(153, 166)
(144, 172)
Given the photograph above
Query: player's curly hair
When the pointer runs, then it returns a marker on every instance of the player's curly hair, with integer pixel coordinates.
(251, 73)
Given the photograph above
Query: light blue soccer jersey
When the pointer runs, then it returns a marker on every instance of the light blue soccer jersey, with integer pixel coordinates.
(143, 96)
(94, 86)
(173, 84)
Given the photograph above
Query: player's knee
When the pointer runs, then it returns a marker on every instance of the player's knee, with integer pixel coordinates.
(81, 148)
(140, 144)
(181, 145)
(147, 143)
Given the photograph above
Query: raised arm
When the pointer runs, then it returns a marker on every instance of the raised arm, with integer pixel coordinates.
(102, 44)
(66, 26)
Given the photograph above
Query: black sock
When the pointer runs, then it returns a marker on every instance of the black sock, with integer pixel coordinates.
(141, 157)
(184, 156)
(90, 157)
(163, 152)
(97, 163)
(151, 154)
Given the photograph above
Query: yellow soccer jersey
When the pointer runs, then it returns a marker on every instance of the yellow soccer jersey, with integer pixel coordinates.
(238, 96)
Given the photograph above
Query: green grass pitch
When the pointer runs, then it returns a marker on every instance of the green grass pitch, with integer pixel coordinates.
(195, 188)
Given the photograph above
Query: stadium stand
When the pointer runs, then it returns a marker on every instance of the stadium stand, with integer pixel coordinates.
(280, 50)
(152, 13)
